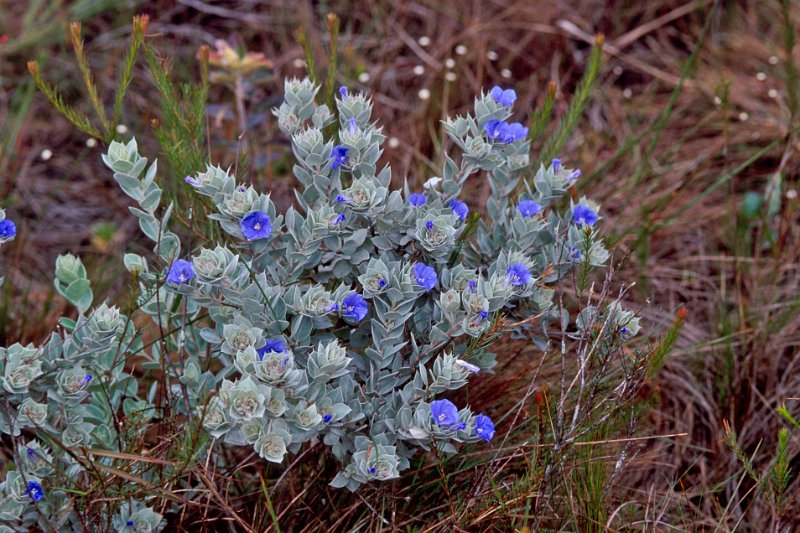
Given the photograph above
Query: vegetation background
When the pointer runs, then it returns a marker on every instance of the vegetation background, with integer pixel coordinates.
(688, 138)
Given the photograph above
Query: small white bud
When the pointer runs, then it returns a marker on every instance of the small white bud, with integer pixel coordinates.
(432, 182)
(469, 366)
(424, 40)
(424, 94)
(46, 154)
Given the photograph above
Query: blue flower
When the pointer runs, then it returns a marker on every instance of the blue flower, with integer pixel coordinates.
(483, 315)
(355, 307)
(624, 330)
(494, 128)
(130, 523)
(338, 156)
(472, 283)
(7, 229)
(505, 132)
(381, 283)
(343, 91)
(352, 124)
(459, 208)
(529, 208)
(582, 214)
(86, 380)
(272, 345)
(35, 490)
(444, 413)
(484, 427)
(573, 254)
(31, 454)
(331, 308)
(256, 225)
(425, 276)
(429, 225)
(191, 181)
(556, 165)
(342, 199)
(574, 175)
(503, 97)
(514, 131)
(327, 418)
(518, 274)
(339, 219)
(181, 271)
(417, 199)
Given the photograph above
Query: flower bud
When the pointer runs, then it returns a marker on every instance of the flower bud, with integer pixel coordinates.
(32, 413)
(328, 361)
(211, 266)
(69, 268)
(240, 335)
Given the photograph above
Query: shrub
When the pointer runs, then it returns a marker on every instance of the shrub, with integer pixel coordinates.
(345, 319)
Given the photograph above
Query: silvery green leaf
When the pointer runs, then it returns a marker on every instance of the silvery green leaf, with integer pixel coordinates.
(79, 294)
(147, 222)
(134, 262)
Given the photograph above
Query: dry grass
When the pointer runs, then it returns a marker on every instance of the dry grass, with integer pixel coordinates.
(671, 202)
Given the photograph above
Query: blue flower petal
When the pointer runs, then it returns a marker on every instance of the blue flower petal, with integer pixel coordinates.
(529, 208)
(582, 214)
(444, 413)
(355, 307)
(417, 199)
(181, 271)
(338, 156)
(425, 276)
(256, 225)
(518, 274)
(459, 208)
(484, 427)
